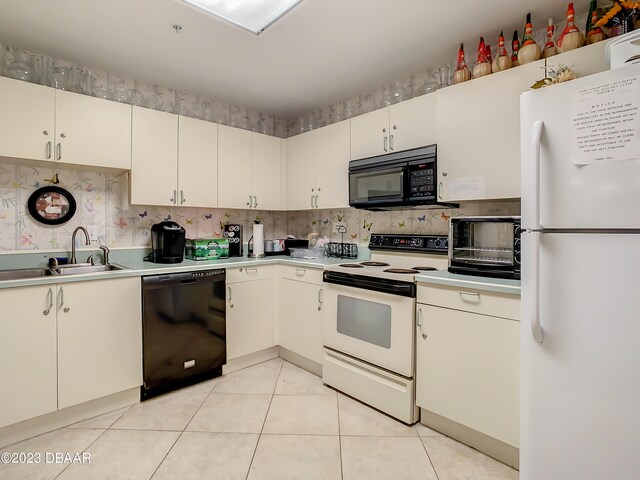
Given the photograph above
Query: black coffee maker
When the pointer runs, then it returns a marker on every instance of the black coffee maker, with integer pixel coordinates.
(167, 242)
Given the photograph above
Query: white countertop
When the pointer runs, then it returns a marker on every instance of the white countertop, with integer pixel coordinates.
(443, 277)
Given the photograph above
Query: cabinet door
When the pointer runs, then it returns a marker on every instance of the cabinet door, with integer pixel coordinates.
(332, 150)
(300, 321)
(413, 123)
(468, 370)
(234, 168)
(250, 307)
(265, 171)
(583, 61)
(99, 340)
(26, 120)
(197, 163)
(370, 134)
(92, 131)
(27, 353)
(301, 171)
(154, 170)
(479, 135)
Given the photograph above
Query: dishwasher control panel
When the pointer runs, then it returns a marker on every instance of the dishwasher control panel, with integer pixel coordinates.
(207, 273)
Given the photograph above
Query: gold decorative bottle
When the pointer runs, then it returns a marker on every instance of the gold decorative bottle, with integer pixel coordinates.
(462, 73)
(502, 60)
(570, 38)
(529, 51)
(483, 66)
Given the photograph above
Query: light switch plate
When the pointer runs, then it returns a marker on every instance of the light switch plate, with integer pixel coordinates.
(93, 233)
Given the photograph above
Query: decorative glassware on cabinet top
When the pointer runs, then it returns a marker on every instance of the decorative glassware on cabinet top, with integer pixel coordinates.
(61, 78)
(21, 68)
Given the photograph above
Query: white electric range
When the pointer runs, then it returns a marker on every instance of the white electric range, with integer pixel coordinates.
(368, 321)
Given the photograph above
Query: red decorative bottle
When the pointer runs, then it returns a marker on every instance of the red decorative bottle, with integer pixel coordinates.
(550, 48)
(502, 60)
(529, 51)
(515, 47)
(570, 38)
(483, 65)
(462, 73)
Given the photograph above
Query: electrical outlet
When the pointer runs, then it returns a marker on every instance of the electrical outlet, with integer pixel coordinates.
(93, 233)
(339, 227)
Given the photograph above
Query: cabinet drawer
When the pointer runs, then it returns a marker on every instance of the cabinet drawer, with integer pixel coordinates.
(471, 300)
(246, 274)
(303, 274)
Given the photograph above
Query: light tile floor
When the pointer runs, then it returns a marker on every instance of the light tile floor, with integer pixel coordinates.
(270, 421)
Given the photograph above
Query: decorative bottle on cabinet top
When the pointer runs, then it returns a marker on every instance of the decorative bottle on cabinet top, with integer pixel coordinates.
(550, 48)
(483, 66)
(502, 60)
(462, 73)
(594, 34)
(570, 38)
(529, 51)
(515, 47)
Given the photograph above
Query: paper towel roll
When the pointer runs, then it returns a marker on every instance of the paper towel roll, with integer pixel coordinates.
(258, 239)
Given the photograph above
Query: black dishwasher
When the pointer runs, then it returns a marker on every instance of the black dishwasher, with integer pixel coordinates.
(184, 332)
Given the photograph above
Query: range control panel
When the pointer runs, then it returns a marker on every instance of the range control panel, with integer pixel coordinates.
(415, 243)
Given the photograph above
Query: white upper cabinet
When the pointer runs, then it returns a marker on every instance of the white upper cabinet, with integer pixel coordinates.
(332, 160)
(154, 153)
(92, 131)
(197, 163)
(402, 126)
(301, 170)
(248, 169)
(370, 134)
(479, 135)
(265, 171)
(26, 120)
(413, 124)
(583, 61)
(317, 168)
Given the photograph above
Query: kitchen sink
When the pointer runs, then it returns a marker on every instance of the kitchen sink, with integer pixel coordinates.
(78, 269)
(23, 273)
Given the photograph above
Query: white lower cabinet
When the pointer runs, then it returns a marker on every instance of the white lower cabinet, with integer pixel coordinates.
(300, 320)
(467, 365)
(99, 342)
(27, 353)
(65, 344)
(250, 310)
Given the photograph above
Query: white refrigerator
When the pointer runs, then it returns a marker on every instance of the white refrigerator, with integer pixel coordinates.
(580, 327)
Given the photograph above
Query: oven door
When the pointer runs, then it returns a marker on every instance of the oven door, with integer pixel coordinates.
(372, 326)
(381, 187)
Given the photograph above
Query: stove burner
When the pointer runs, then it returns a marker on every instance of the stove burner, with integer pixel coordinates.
(400, 270)
(424, 269)
(374, 264)
(351, 265)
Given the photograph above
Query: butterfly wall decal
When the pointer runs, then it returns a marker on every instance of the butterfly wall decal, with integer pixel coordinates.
(401, 225)
(167, 218)
(367, 225)
(55, 179)
(143, 214)
(208, 216)
(340, 217)
(354, 236)
(189, 221)
(445, 217)
(326, 222)
(423, 218)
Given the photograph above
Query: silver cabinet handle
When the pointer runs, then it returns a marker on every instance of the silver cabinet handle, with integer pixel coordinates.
(319, 299)
(47, 310)
(386, 143)
(182, 199)
(173, 199)
(390, 142)
(255, 202)
(230, 304)
(49, 145)
(250, 202)
(315, 199)
(419, 323)
(300, 272)
(476, 295)
(59, 151)
(311, 201)
(64, 309)
(252, 269)
(440, 190)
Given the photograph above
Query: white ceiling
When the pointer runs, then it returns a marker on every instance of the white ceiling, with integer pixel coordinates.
(320, 52)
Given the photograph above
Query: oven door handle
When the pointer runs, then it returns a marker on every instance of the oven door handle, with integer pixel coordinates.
(404, 289)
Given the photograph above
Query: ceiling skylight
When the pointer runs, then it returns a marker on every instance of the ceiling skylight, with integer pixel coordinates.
(251, 15)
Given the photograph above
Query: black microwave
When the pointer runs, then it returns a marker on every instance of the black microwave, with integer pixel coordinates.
(400, 179)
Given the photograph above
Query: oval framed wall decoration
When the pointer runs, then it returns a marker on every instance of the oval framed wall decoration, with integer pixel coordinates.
(51, 205)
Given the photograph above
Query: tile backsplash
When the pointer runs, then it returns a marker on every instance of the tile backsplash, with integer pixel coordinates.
(101, 201)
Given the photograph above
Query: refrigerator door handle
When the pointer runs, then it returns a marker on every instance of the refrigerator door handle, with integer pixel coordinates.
(536, 327)
(537, 137)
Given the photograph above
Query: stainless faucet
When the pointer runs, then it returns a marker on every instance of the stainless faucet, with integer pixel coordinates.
(105, 254)
(72, 260)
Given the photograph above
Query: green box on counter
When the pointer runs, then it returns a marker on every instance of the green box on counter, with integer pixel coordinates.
(206, 248)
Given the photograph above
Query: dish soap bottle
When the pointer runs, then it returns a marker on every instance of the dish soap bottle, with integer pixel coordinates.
(570, 38)
(462, 73)
(529, 51)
